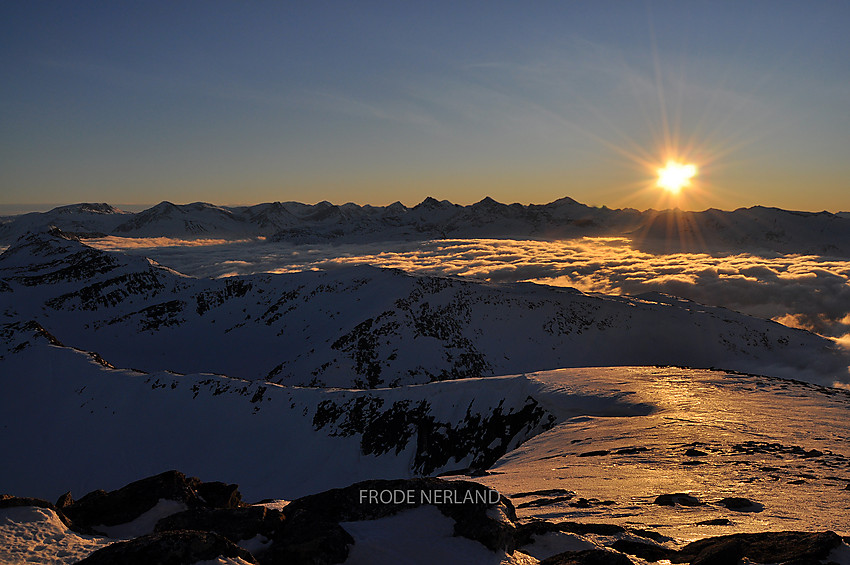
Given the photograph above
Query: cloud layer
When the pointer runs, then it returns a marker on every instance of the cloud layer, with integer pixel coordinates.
(801, 291)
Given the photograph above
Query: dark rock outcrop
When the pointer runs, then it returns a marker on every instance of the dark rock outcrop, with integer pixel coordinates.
(219, 495)
(167, 548)
(309, 543)
(465, 502)
(236, 524)
(525, 532)
(647, 551)
(65, 500)
(131, 501)
(310, 530)
(800, 548)
(588, 557)
(597, 453)
(10, 501)
(715, 522)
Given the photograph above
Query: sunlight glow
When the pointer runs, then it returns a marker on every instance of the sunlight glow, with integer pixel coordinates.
(674, 176)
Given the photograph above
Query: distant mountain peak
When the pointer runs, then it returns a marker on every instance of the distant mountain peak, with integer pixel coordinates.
(164, 206)
(433, 204)
(86, 208)
(487, 202)
(563, 200)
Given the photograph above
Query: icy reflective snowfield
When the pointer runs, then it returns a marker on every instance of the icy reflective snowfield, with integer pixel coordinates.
(781, 444)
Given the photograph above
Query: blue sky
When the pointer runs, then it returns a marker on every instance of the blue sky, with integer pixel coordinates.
(372, 102)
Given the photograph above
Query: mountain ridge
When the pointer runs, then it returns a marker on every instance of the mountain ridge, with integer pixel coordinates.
(756, 227)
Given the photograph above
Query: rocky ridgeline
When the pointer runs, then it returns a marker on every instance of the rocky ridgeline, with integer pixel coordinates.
(758, 227)
(210, 520)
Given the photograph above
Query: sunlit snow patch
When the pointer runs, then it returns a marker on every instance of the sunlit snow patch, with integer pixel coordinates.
(30, 534)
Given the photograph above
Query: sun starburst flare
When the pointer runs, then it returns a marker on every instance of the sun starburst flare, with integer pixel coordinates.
(675, 176)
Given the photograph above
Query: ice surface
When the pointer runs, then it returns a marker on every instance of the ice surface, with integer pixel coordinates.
(779, 443)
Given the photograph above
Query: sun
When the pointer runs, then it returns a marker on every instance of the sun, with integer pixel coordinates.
(675, 176)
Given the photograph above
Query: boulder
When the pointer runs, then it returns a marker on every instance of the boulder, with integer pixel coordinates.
(680, 498)
(740, 504)
(168, 548)
(219, 495)
(715, 522)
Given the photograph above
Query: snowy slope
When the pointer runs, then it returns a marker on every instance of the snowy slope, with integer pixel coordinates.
(367, 327)
(71, 421)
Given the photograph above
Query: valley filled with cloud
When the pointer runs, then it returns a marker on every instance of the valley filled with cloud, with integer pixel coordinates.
(803, 291)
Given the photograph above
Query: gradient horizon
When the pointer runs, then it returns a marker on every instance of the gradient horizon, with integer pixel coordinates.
(237, 104)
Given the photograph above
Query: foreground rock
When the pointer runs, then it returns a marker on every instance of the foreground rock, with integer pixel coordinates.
(101, 508)
(680, 498)
(236, 524)
(10, 501)
(740, 504)
(216, 525)
(176, 547)
(313, 534)
(800, 548)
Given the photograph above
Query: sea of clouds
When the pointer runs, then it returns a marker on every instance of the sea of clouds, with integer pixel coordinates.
(803, 291)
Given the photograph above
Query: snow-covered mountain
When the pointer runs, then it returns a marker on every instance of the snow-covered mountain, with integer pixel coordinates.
(85, 219)
(190, 220)
(104, 426)
(759, 228)
(756, 228)
(367, 327)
